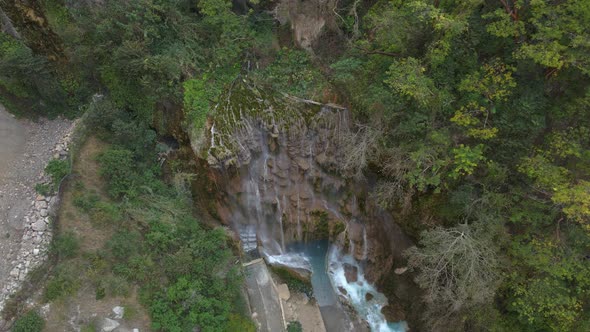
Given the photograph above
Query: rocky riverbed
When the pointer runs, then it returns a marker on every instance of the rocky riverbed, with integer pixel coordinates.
(27, 147)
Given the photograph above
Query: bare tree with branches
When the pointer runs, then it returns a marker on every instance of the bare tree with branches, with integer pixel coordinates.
(357, 147)
(458, 269)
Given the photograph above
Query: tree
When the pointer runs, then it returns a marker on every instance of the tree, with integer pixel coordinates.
(458, 268)
(29, 20)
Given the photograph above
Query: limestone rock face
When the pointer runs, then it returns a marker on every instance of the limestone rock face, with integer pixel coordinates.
(393, 312)
(274, 162)
(308, 19)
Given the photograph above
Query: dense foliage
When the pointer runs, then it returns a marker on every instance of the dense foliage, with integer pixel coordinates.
(29, 322)
(474, 116)
(483, 109)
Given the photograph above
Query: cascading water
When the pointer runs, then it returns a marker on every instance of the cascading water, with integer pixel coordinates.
(286, 188)
(365, 243)
(281, 225)
(363, 296)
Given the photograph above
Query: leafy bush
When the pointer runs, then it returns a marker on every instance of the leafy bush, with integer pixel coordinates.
(57, 169)
(64, 282)
(86, 201)
(112, 286)
(124, 245)
(117, 167)
(292, 72)
(29, 322)
(26, 79)
(43, 189)
(65, 245)
(240, 323)
(294, 326)
(105, 212)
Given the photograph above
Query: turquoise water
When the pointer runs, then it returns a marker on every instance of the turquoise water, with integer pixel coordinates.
(316, 252)
(356, 293)
(328, 275)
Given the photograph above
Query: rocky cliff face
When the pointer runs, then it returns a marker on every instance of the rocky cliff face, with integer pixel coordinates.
(309, 20)
(274, 160)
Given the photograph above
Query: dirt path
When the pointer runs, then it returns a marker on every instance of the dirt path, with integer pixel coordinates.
(25, 149)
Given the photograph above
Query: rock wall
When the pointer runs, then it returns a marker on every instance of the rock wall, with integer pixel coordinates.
(308, 19)
(280, 180)
(37, 233)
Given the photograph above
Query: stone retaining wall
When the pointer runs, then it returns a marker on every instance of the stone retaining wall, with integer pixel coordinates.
(37, 232)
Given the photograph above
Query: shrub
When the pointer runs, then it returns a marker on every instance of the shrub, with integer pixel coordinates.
(117, 168)
(43, 189)
(65, 245)
(29, 322)
(292, 72)
(294, 326)
(57, 170)
(240, 323)
(64, 282)
(86, 202)
(124, 244)
(105, 212)
(112, 286)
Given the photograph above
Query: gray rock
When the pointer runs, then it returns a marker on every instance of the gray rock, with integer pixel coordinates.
(119, 312)
(39, 226)
(41, 204)
(108, 325)
(43, 212)
(283, 291)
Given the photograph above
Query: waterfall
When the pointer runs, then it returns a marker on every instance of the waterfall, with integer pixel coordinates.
(281, 225)
(357, 292)
(350, 246)
(365, 249)
(213, 136)
(257, 201)
(285, 155)
(298, 216)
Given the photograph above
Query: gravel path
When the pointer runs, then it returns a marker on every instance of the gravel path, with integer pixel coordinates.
(25, 149)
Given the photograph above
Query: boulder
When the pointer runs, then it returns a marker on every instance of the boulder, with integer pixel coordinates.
(108, 325)
(118, 312)
(39, 226)
(342, 290)
(283, 291)
(393, 312)
(41, 204)
(351, 273)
